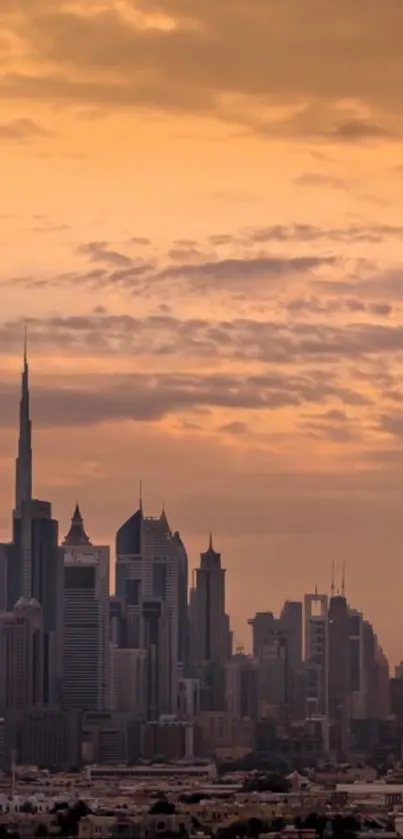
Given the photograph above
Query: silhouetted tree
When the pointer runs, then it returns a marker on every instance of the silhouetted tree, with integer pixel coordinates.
(269, 782)
(162, 807)
(68, 819)
(236, 830)
(255, 827)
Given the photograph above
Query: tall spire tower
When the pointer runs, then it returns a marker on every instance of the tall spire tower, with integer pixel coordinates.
(23, 466)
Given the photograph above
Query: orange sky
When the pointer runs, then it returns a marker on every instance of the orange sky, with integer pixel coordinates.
(200, 222)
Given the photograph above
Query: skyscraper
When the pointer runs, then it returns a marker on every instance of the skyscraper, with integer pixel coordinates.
(18, 571)
(160, 583)
(264, 628)
(356, 664)
(211, 626)
(36, 541)
(183, 609)
(21, 657)
(128, 577)
(23, 471)
(4, 559)
(317, 652)
(210, 629)
(35, 563)
(340, 662)
(151, 582)
(86, 651)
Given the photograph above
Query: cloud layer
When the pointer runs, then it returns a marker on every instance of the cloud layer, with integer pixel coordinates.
(201, 228)
(338, 79)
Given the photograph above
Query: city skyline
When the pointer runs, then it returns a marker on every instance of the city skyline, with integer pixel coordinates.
(207, 254)
(207, 598)
(158, 653)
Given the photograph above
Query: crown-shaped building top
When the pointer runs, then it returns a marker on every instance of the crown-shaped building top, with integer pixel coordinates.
(210, 558)
(77, 535)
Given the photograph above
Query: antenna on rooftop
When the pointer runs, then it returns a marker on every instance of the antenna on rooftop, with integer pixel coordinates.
(343, 581)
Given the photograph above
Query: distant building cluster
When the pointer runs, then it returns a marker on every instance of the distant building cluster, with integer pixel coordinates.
(90, 678)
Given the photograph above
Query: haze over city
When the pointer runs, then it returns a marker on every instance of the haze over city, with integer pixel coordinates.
(201, 229)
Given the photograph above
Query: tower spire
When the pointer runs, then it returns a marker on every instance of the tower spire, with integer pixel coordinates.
(343, 581)
(141, 496)
(332, 581)
(25, 347)
(23, 466)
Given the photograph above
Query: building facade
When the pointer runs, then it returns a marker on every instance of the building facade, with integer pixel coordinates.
(86, 646)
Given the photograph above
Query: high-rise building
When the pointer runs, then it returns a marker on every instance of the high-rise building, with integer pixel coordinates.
(130, 667)
(264, 628)
(19, 568)
(128, 577)
(355, 660)
(277, 647)
(36, 542)
(339, 669)
(273, 673)
(290, 626)
(5, 549)
(382, 694)
(188, 698)
(317, 653)
(21, 657)
(210, 633)
(23, 470)
(241, 687)
(151, 583)
(160, 583)
(86, 647)
(183, 608)
(210, 630)
(35, 563)
(340, 646)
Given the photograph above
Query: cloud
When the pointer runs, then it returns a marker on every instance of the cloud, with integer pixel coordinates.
(90, 400)
(195, 267)
(48, 227)
(140, 240)
(21, 130)
(227, 273)
(393, 396)
(388, 283)
(357, 130)
(184, 253)
(334, 416)
(184, 54)
(335, 433)
(181, 271)
(321, 181)
(100, 252)
(334, 425)
(392, 423)
(234, 428)
(352, 234)
(241, 339)
(329, 306)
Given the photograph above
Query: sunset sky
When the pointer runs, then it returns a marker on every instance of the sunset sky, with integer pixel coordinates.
(201, 223)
